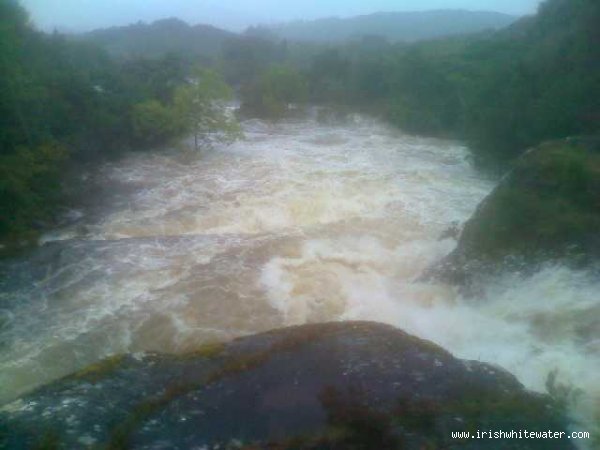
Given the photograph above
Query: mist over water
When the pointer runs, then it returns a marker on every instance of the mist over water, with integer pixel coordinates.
(299, 223)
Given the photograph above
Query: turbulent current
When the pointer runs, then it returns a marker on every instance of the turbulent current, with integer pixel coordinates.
(298, 223)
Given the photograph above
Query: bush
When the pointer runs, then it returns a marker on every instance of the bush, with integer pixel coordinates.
(29, 187)
(153, 123)
(276, 93)
(199, 108)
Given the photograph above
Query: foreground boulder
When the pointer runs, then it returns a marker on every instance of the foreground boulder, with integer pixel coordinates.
(350, 385)
(547, 208)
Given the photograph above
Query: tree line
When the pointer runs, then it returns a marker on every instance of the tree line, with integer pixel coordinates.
(502, 92)
(65, 101)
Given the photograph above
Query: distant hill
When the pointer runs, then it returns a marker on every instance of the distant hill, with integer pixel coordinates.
(205, 41)
(160, 37)
(394, 26)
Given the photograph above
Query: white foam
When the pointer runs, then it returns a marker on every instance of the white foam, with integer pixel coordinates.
(298, 223)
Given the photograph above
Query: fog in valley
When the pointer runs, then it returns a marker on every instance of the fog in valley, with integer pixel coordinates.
(236, 15)
(299, 225)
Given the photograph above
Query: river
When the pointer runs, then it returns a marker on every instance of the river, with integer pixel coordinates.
(298, 223)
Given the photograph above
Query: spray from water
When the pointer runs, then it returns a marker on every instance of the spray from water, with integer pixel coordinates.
(298, 223)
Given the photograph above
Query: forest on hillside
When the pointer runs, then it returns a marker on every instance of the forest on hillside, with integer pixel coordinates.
(370, 238)
(67, 101)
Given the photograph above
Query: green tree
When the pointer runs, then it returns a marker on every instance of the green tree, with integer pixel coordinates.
(329, 77)
(153, 123)
(245, 57)
(29, 187)
(200, 107)
(14, 128)
(64, 102)
(278, 91)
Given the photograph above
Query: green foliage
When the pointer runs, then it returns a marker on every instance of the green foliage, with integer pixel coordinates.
(152, 41)
(155, 78)
(64, 102)
(422, 98)
(245, 57)
(329, 77)
(392, 26)
(276, 93)
(153, 123)
(548, 206)
(200, 107)
(503, 92)
(29, 187)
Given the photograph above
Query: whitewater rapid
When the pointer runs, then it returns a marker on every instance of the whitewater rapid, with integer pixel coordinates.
(299, 222)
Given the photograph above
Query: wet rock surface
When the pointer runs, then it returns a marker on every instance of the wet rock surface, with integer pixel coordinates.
(546, 209)
(337, 385)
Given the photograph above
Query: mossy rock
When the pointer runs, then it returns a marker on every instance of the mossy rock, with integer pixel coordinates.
(355, 385)
(547, 208)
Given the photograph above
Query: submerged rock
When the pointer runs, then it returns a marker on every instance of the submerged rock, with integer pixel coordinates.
(547, 208)
(340, 385)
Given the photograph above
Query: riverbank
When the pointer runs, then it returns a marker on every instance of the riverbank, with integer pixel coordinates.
(302, 222)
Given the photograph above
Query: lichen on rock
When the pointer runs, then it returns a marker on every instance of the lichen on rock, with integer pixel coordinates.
(546, 209)
(337, 385)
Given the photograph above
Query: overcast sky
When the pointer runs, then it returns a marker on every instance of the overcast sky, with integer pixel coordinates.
(80, 15)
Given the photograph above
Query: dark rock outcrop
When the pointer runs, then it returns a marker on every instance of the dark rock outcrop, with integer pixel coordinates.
(331, 386)
(547, 208)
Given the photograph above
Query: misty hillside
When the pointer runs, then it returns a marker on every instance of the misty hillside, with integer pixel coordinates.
(205, 41)
(395, 26)
(160, 37)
